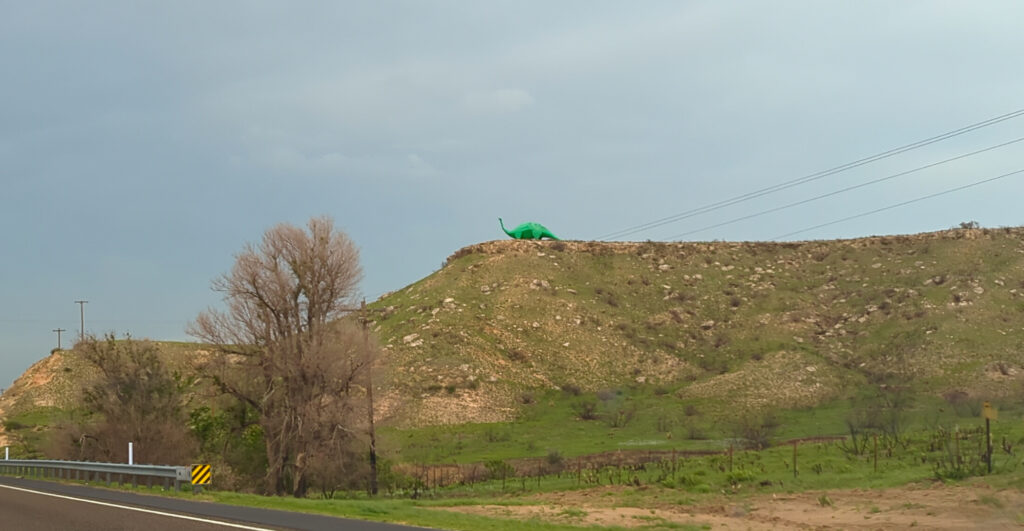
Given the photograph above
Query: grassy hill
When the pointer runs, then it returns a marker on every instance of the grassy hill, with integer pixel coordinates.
(504, 350)
(751, 325)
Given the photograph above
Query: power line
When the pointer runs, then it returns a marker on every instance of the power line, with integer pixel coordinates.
(812, 177)
(843, 190)
(897, 205)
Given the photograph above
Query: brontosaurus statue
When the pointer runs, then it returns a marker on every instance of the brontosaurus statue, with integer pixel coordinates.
(528, 231)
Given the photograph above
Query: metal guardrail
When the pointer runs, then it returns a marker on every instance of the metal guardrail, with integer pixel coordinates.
(99, 472)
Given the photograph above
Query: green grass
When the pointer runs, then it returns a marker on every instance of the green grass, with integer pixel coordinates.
(822, 467)
(551, 424)
(32, 418)
(30, 429)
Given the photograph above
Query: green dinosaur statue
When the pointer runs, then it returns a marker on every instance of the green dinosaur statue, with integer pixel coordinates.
(528, 231)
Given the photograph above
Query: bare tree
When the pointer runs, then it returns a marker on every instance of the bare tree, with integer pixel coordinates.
(282, 347)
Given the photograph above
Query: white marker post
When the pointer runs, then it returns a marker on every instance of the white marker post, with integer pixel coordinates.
(7, 453)
(130, 456)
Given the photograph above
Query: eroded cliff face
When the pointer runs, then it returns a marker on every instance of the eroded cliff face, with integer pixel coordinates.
(44, 384)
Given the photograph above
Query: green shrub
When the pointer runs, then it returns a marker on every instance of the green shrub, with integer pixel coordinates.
(11, 425)
(739, 476)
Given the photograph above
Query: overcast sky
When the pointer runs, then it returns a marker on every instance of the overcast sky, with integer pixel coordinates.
(142, 144)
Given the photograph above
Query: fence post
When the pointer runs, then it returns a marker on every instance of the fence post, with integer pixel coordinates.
(795, 443)
(956, 435)
(673, 464)
(876, 452)
(988, 444)
(619, 465)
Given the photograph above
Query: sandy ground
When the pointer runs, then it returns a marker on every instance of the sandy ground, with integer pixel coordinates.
(921, 507)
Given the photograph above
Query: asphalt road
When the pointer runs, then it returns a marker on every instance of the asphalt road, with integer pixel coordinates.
(31, 505)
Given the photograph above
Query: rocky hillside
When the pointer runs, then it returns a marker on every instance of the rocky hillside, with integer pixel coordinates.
(765, 324)
(755, 324)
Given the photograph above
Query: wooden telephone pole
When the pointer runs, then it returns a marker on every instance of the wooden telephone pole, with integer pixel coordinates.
(81, 315)
(369, 397)
(365, 323)
(59, 330)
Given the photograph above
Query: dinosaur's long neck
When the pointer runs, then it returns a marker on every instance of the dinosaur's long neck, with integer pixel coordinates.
(503, 227)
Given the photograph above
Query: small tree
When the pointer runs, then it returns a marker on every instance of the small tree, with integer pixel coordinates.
(500, 469)
(755, 430)
(134, 397)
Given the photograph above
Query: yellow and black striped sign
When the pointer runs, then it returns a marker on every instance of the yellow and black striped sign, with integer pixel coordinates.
(201, 474)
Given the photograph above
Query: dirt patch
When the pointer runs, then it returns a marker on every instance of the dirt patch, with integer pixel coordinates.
(925, 507)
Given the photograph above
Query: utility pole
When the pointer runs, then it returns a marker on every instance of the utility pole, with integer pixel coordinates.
(369, 397)
(81, 314)
(59, 330)
(365, 322)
